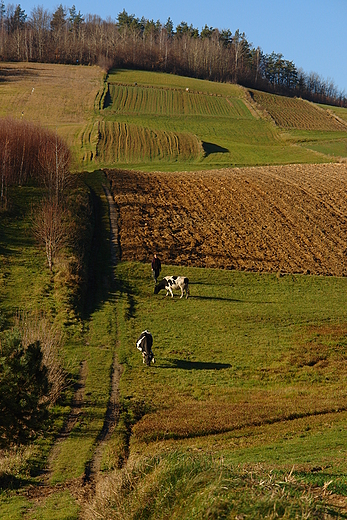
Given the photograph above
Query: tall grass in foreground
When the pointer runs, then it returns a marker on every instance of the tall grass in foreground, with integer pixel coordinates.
(186, 485)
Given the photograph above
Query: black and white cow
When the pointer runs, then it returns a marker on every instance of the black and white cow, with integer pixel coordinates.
(170, 283)
(144, 344)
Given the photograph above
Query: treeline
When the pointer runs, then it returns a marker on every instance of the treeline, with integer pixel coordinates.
(32, 155)
(68, 37)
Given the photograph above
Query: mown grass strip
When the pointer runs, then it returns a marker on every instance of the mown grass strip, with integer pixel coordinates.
(120, 142)
(136, 100)
(220, 115)
(297, 113)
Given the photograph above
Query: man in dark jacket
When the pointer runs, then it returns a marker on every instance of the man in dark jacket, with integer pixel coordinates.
(156, 267)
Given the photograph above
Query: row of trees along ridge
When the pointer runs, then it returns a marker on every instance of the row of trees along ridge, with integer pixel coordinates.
(68, 37)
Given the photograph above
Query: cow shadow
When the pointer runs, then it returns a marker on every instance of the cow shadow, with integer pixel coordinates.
(218, 298)
(234, 300)
(183, 364)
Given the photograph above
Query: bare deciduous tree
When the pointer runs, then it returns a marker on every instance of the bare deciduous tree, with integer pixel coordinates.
(54, 158)
(50, 228)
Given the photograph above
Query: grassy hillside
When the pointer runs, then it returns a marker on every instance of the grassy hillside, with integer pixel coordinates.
(164, 120)
(58, 97)
(232, 129)
(244, 414)
(247, 395)
(31, 296)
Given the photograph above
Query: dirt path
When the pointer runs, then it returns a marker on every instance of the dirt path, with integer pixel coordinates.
(111, 419)
(112, 414)
(76, 410)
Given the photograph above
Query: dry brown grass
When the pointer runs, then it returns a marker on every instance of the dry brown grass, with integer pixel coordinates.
(188, 418)
(37, 328)
(57, 96)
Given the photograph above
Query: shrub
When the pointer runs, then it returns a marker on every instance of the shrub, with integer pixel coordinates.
(35, 327)
(23, 390)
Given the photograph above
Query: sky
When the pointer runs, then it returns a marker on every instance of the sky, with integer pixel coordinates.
(311, 33)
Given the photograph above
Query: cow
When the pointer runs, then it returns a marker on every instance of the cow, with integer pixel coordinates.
(173, 282)
(144, 344)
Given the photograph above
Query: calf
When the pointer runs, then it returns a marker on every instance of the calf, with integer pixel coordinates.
(173, 282)
(144, 344)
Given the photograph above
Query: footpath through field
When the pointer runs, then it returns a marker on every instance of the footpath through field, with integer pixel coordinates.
(69, 480)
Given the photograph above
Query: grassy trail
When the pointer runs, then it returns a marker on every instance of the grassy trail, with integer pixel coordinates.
(73, 454)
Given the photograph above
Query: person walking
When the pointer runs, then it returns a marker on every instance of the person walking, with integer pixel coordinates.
(156, 267)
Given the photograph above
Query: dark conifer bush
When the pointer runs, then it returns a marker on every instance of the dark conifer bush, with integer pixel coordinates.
(23, 390)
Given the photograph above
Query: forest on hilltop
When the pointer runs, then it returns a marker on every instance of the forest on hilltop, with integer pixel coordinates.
(69, 37)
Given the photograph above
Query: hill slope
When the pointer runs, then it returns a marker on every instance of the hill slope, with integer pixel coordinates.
(169, 122)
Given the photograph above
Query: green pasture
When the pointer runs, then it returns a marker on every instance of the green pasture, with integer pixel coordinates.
(220, 116)
(245, 409)
(243, 413)
(332, 144)
(241, 343)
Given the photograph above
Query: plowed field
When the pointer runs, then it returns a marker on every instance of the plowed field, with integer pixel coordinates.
(291, 219)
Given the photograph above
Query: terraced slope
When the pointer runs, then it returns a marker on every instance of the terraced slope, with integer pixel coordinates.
(165, 101)
(297, 113)
(223, 117)
(286, 218)
(133, 144)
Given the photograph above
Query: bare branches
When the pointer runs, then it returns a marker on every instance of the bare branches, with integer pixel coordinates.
(29, 152)
(50, 228)
(212, 54)
(54, 159)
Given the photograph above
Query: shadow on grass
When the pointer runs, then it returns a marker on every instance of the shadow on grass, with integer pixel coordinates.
(126, 288)
(195, 365)
(218, 298)
(9, 74)
(234, 300)
(9, 481)
(213, 148)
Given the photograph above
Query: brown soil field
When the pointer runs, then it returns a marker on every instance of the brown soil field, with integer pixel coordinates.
(284, 219)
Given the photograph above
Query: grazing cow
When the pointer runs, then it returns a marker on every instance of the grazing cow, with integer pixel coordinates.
(173, 282)
(144, 344)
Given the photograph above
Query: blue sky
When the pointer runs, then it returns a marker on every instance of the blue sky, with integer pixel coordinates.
(311, 33)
